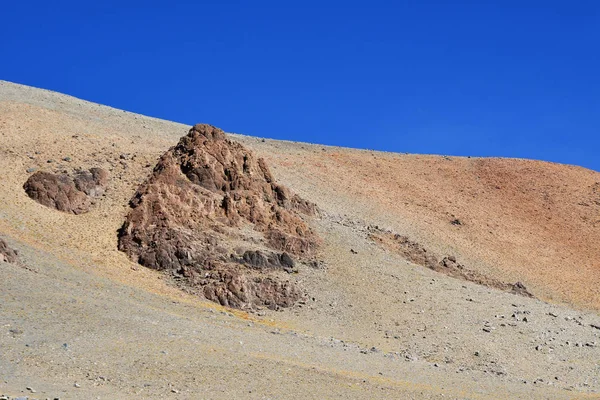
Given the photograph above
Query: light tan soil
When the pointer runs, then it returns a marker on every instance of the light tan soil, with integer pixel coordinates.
(77, 311)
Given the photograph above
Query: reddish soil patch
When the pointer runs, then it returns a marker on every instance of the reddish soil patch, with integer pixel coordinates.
(520, 220)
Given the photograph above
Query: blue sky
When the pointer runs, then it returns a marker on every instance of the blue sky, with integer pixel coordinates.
(496, 78)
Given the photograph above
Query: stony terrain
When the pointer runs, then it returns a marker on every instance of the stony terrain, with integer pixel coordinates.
(79, 319)
(418, 254)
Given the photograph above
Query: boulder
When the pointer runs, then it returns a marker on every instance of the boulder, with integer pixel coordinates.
(63, 192)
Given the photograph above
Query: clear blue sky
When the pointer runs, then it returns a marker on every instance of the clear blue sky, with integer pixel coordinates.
(504, 78)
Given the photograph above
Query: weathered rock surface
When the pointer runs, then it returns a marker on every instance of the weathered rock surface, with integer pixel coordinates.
(213, 215)
(71, 194)
(7, 254)
(418, 254)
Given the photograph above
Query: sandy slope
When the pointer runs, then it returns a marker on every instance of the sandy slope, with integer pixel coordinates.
(521, 220)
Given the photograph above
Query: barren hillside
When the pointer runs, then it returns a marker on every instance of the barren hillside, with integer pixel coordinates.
(79, 319)
(521, 220)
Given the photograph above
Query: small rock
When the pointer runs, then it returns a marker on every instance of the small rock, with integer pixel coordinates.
(32, 390)
(31, 170)
(77, 385)
(67, 159)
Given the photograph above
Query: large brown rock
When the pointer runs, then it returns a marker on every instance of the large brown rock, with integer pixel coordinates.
(212, 214)
(71, 194)
(7, 254)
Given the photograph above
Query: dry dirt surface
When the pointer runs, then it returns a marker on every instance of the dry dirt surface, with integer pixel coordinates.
(80, 320)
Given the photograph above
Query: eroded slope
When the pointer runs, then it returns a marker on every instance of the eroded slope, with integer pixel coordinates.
(519, 220)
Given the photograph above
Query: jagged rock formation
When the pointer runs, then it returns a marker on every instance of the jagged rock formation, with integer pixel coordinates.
(70, 194)
(7, 254)
(418, 254)
(213, 216)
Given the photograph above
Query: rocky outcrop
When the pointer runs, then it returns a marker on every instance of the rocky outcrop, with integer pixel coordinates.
(7, 254)
(212, 214)
(71, 194)
(418, 254)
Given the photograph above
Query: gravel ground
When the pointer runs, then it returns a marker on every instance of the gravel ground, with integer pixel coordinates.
(79, 320)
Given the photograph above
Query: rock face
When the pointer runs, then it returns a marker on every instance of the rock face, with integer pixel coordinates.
(417, 254)
(71, 194)
(213, 216)
(7, 254)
